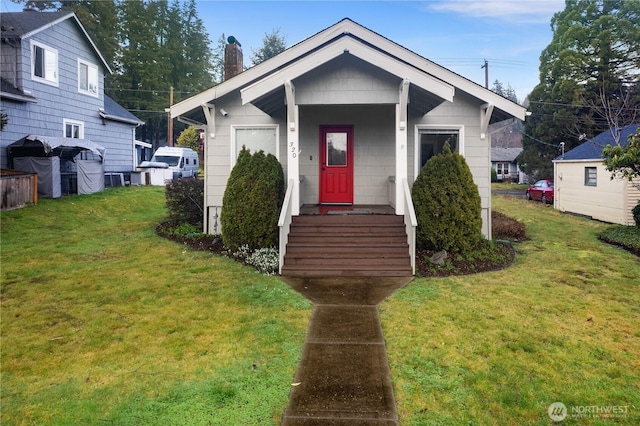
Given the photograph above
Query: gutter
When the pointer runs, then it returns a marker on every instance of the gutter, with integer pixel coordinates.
(106, 116)
(19, 98)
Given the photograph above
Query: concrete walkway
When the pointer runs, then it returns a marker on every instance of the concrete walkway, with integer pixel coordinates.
(343, 377)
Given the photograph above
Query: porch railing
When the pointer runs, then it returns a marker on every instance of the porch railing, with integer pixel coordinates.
(410, 222)
(284, 223)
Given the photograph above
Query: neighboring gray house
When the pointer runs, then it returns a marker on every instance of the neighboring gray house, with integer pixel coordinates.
(52, 79)
(505, 162)
(352, 117)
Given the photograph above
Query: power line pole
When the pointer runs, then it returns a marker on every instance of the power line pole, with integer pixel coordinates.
(169, 120)
(486, 73)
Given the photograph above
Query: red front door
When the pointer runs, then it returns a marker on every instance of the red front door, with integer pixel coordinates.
(336, 164)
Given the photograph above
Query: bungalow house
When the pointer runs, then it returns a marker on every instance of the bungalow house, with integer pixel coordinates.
(583, 185)
(505, 162)
(52, 77)
(352, 117)
(506, 146)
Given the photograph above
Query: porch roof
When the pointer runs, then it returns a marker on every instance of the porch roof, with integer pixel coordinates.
(431, 83)
(267, 93)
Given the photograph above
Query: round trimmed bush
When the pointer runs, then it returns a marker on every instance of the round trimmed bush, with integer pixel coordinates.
(447, 204)
(252, 201)
(636, 214)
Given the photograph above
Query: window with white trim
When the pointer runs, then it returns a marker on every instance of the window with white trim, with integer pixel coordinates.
(502, 168)
(44, 63)
(254, 138)
(591, 176)
(87, 78)
(430, 141)
(73, 129)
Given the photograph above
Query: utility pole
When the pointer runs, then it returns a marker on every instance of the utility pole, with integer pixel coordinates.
(169, 120)
(486, 73)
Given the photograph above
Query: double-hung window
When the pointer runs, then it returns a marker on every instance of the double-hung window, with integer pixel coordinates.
(44, 63)
(73, 129)
(590, 176)
(502, 169)
(87, 78)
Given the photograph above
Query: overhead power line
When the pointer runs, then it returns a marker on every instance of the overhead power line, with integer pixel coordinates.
(539, 141)
(637, 108)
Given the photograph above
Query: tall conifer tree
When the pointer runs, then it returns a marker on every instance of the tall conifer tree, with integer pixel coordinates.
(593, 60)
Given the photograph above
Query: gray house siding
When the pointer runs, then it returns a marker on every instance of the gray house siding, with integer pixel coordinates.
(57, 103)
(347, 81)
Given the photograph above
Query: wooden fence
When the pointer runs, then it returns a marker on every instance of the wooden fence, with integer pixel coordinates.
(18, 189)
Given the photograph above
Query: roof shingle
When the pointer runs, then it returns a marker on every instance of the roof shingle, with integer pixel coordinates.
(592, 149)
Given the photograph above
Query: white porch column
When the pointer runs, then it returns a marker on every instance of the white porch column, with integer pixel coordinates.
(293, 147)
(401, 145)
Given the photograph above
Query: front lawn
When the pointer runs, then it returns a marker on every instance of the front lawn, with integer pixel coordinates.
(104, 322)
(560, 325)
(510, 187)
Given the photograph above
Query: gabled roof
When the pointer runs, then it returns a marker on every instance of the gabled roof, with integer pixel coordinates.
(22, 25)
(505, 154)
(592, 149)
(116, 112)
(356, 40)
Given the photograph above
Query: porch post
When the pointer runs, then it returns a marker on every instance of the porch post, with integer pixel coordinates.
(293, 147)
(401, 145)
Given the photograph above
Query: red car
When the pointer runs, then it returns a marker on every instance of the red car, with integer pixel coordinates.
(541, 190)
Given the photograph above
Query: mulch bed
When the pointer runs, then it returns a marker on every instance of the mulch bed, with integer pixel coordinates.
(499, 256)
(487, 258)
(202, 242)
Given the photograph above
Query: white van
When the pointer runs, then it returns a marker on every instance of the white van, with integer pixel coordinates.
(183, 161)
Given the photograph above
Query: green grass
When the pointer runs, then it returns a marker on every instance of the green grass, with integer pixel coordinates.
(103, 322)
(505, 186)
(562, 324)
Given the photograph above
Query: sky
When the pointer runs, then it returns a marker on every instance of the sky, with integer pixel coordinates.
(457, 34)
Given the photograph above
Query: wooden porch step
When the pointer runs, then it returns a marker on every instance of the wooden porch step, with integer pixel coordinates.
(347, 245)
(347, 239)
(377, 271)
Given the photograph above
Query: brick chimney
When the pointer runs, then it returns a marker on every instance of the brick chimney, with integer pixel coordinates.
(232, 58)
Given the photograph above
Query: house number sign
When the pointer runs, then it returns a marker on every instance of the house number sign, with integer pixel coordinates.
(292, 149)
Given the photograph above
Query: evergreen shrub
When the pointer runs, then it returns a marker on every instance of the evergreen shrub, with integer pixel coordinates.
(636, 214)
(447, 204)
(185, 201)
(252, 201)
